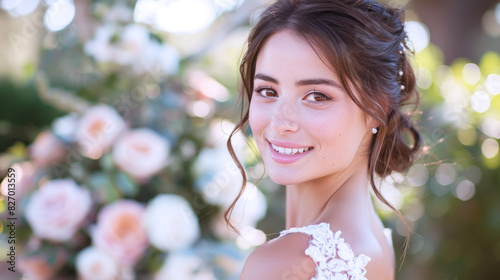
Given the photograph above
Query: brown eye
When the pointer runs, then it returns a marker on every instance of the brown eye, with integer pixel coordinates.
(266, 92)
(317, 97)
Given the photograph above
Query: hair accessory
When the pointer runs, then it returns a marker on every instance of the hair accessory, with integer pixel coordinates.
(401, 73)
(374, 130)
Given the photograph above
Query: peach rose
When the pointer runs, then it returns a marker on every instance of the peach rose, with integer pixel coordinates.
(57, 210)
(98, 129)
(95, 264)
(141, 153)
(46, 149)
(120, 231)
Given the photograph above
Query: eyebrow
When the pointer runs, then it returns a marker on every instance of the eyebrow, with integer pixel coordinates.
(305, 82)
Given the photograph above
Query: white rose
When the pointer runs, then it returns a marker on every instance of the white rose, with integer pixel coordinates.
(250, 208)
(141, 153)
(171, 223)
(65, 127)
(57, 209)
(95, 264)
(100, 46)
(219, 179)
(157, 58)
(97, 130)
(181, 266)
(133, 43)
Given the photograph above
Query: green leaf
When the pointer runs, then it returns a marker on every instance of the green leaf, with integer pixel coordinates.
(126, 184)
(103, 187)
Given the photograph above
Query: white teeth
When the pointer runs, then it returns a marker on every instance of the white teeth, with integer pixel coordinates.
(289, 151)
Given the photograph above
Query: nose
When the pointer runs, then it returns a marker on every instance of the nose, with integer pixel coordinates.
(284, 118)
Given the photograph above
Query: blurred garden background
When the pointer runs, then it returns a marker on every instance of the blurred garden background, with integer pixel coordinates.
(114, 117)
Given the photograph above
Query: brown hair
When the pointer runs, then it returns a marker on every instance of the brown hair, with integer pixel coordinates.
(365, 43)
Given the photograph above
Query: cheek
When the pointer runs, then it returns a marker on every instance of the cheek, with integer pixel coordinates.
(257, 119)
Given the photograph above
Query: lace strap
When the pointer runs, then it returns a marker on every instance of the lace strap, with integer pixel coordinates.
(334, 257)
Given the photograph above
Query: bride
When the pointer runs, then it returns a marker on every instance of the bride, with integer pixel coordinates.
(326, 81)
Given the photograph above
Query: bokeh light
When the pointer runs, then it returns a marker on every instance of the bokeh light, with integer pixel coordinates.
(465, 190)
(467, 136)
(227, 5)
(445, 174)
(417, 175)
(180, 17)
(489, 148)
(491, 126)
(492, 84)
(199, 108)
(480, 101)
(20, 7)
(418, 35)
(59, 14)
(471, 73)
(424, 77)
(491, 24)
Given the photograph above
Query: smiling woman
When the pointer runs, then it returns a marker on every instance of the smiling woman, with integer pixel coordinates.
(326, 82)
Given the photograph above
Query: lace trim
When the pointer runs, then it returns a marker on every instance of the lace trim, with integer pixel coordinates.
(334, 257)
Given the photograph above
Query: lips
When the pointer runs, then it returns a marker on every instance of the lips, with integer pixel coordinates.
(290, 151)
(285, 152)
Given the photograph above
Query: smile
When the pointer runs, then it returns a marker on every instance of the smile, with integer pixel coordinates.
(290, 151)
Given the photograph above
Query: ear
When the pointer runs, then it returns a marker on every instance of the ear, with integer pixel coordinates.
(371, 123)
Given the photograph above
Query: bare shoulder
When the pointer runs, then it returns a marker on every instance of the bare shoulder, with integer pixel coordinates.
(363, 241)
(281, 258)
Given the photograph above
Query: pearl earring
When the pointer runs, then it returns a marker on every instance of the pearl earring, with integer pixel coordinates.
(374, 130)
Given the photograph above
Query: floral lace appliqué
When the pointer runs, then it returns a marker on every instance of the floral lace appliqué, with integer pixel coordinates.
(333, 256)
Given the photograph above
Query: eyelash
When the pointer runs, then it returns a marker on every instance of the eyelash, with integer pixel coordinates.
(326, 97)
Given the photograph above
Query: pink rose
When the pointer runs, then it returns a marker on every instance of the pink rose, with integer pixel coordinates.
(56, 210)
(120, 231)
(97, 130)
(141, 153)
(46, 149)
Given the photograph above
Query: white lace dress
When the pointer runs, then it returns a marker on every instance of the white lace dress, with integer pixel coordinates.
(333, 256)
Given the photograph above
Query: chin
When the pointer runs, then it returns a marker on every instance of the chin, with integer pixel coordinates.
(284, 178)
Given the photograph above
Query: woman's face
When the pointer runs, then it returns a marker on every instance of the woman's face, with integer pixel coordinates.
(305, 125)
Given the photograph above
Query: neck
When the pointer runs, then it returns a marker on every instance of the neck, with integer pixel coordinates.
(324, 198)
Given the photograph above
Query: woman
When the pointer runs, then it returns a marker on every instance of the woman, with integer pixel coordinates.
(325, 81)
